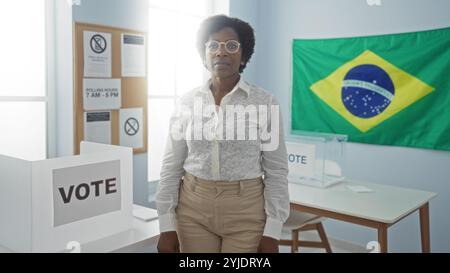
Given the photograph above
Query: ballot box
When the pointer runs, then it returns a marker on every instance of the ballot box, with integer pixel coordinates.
(316, 159)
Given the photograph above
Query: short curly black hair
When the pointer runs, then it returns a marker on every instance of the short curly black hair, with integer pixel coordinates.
(216, 23)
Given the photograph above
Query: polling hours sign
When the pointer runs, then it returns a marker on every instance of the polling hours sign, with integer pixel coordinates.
(101, 94)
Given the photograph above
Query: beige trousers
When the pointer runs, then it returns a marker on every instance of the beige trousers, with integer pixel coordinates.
(220, 216)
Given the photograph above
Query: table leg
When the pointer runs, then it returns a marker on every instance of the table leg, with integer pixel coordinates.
(383, 238)
(425, 228)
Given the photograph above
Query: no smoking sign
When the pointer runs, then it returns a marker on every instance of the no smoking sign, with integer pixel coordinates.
(131, 126)
(98, 43)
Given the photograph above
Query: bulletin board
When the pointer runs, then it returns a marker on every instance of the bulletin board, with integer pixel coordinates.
(133, 88)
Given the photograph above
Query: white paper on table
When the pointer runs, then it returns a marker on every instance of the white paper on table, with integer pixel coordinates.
(145, 214)
(133, 55)
(131, 127)
(97, 127)
(97, 54)
(359, 188)
(102, 94)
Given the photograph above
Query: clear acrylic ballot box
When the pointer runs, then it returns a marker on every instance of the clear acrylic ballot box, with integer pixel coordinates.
(316, 159)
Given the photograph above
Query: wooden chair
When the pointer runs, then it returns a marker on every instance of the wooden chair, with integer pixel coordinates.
(299, 221)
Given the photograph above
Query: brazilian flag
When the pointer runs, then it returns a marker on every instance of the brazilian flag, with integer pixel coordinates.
(388, 89)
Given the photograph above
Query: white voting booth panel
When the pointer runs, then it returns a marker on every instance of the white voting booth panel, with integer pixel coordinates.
(46, 204)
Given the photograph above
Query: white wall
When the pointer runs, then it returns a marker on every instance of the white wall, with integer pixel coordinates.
(280, 21)
(63, 76)
(127, 14)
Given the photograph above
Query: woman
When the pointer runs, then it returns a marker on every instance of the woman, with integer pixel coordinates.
(221, 189)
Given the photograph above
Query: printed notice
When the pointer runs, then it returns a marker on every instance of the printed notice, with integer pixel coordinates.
(101, 94)
(133, 55)
(97, 54)
(97, 127)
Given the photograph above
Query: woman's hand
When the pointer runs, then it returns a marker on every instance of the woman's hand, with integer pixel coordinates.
(268, 245)
(168, 242)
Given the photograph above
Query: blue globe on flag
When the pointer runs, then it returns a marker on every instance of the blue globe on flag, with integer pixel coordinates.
(367, 90)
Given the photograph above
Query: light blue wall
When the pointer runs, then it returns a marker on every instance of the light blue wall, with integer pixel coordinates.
(248, 11)
(277, 22)
(127, 14)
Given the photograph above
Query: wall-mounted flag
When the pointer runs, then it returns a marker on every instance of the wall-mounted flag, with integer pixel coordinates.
(388, 89)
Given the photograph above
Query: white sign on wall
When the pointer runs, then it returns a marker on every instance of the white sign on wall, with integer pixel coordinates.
(301, 159)
(131, 127)
(133, 55)
(85, 191)
(101, 94)
(97, 54)
(97, 127)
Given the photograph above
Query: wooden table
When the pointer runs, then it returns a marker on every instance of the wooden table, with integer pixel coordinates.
(379, 209)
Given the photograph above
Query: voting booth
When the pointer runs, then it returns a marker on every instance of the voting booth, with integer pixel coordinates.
(46, 204)
(316, 159)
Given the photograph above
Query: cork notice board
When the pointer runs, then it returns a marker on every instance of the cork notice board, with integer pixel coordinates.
(133, 89)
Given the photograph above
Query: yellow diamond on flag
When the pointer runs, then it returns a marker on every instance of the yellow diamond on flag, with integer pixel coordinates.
(369, 90)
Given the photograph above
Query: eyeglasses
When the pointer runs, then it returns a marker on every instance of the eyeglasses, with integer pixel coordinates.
(231, 46)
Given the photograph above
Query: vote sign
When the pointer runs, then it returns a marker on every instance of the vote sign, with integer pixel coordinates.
(301, 158)
(85, 191)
